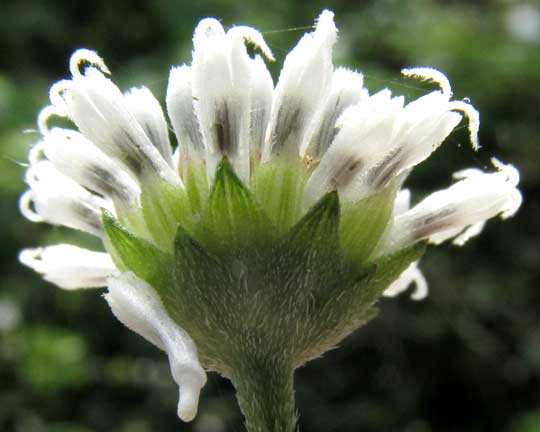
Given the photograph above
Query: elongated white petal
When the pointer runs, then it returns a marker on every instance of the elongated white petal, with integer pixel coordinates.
(57, 199)
(99, 110)
(261, 91)
(462, 208)
(219, 108)
(422, 127)
(412, 275)
(70, 267)
(303, 84)
(346, 90)
(181, 111)
(78, 158)
(431, 74)
(222, 76)
(136, 305)
(402, 202)
(147, 110)
(366, 134)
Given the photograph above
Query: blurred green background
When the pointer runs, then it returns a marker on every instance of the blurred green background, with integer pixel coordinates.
(466, 359)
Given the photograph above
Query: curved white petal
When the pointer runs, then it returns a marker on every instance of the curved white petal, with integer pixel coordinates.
(68, 266)
(57, 199)
(461, 209)
(346, 90)
(148, 112)
(79, 159)
(137, 306)
(366, 134)
(99, 110)
(303, 83)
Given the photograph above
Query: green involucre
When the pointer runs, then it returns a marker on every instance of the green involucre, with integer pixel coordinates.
(250, 279)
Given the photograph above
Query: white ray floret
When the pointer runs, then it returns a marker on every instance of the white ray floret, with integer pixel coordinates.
(100, 111)
(302, 85)
(346, 90)
(137, 306)
(57, 199)
(70, 267)
(181, 110)
(222, 75)
(460, 209)
(79, 159)
(147, 110)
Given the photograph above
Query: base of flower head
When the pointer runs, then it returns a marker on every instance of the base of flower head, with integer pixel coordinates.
(241, 286)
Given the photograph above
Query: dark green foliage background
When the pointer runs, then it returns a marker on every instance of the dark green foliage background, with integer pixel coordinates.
(466, 359)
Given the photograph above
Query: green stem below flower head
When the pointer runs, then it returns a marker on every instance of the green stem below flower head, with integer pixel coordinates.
(264, 389)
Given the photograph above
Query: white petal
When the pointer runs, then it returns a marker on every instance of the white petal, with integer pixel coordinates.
(430, 74)
(182, 114)
(222, 76)
(412, 275)
(439, 78)
(366, 134)
(468, 203)
(85, 57)
(147, 110)
(69, 267)
(99, 110)
(402, 202)
(45, 115)
(346, 90)
(57, 199)
(218, 107)
(136, 305)
(261, 91)
(78, 158)
(422, 127)
(303, 83)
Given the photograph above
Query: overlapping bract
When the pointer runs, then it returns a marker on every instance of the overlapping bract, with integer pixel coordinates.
(317, 132)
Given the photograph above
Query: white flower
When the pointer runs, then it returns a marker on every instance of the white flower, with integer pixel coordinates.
(318, 131)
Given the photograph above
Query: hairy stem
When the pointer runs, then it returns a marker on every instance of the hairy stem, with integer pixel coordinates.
(264, 390)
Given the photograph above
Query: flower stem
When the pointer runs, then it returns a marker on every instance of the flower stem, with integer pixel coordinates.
(266, 396)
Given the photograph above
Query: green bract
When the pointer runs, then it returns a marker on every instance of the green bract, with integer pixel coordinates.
(250, 275)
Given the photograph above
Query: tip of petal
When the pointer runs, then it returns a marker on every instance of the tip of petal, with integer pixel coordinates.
(86, 57)
(325, 26)
(253, 36)
(188, 403)
(430, 74)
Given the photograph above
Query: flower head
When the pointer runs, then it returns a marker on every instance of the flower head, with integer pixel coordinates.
(278, 220)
